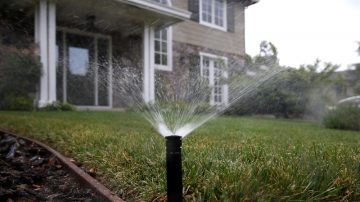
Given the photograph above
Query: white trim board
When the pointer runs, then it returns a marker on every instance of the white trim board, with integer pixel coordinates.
(81, 32)
(174, 12)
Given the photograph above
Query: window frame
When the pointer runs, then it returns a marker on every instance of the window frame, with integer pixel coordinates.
(169, 52)
(63, 64)
(212, 24)
(224, 94)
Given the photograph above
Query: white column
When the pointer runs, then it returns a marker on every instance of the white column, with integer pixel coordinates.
(52, 51)
(110, 79)
(152, 65)
(45, 36)
(148, 65)
(96, 72)
(43, 45)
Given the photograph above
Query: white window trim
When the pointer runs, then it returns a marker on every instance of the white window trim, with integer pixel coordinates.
(160, 8)
(225, 94)
(167, 67)
(213, 25)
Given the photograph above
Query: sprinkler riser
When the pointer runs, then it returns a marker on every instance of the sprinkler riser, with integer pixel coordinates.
(174, 169)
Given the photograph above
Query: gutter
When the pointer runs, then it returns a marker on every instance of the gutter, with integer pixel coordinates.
(170, 11)
(249, 2)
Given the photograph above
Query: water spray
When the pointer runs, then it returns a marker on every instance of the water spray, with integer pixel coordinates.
(174, 169)
(177, 112)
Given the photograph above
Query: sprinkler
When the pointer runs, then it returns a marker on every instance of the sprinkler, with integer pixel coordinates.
(173, 169)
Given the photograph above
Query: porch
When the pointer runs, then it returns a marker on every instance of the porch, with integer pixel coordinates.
(79, 40)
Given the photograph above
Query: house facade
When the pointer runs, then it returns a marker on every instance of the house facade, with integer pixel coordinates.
(81, 42)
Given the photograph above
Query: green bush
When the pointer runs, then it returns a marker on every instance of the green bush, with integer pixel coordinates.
(20, 72)
(24, 103)
(345, 117)
(283, 96)
(58, 106)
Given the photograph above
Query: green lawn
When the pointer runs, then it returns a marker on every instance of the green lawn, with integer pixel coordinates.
(228, 159)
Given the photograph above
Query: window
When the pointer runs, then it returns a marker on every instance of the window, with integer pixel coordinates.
(213, 69)
(83, 62)
(213, 13)
(163, 49)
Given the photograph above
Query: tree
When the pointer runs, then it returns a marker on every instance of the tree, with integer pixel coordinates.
(292, 93)
(268, 55)
(357, 74)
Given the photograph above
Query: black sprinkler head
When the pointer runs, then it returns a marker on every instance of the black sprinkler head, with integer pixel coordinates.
(173, 169)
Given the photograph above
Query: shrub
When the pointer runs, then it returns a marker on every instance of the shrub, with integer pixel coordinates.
(345, 117)
(20, 72)
(24, 103)
(58, 106)
(283, 96)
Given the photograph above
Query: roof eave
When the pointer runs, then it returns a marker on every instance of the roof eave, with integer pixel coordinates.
(173, 12)
(249, 2)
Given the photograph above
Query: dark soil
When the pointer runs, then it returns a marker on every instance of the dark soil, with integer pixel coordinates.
(28, 172)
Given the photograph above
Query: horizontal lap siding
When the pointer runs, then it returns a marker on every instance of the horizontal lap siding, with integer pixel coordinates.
(196, 34)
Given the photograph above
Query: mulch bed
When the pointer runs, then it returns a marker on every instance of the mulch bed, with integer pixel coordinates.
(28, 172)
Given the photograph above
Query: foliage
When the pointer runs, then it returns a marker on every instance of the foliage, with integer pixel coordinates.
(16, 25)
(58, 106)
(23, 103)
(228, 159)
(20, 71)
(345, 116)
(293, 93)
(357, 74)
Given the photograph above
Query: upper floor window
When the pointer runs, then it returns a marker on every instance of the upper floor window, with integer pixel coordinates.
(213, 13)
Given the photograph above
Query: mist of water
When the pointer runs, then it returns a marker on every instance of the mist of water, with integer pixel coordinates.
(183, 105)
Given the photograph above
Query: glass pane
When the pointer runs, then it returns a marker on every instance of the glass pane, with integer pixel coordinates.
(206, 10)
(157, 34)
(103, 72)
(204, 16)
(157, 59)
(219, 12)
(157, 46)
(80, 75)
(59, 67)
(164, 34)
(164, 47)
(79, 61)
(164, 60)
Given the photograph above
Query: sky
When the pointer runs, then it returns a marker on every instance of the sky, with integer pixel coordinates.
(304, 30)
